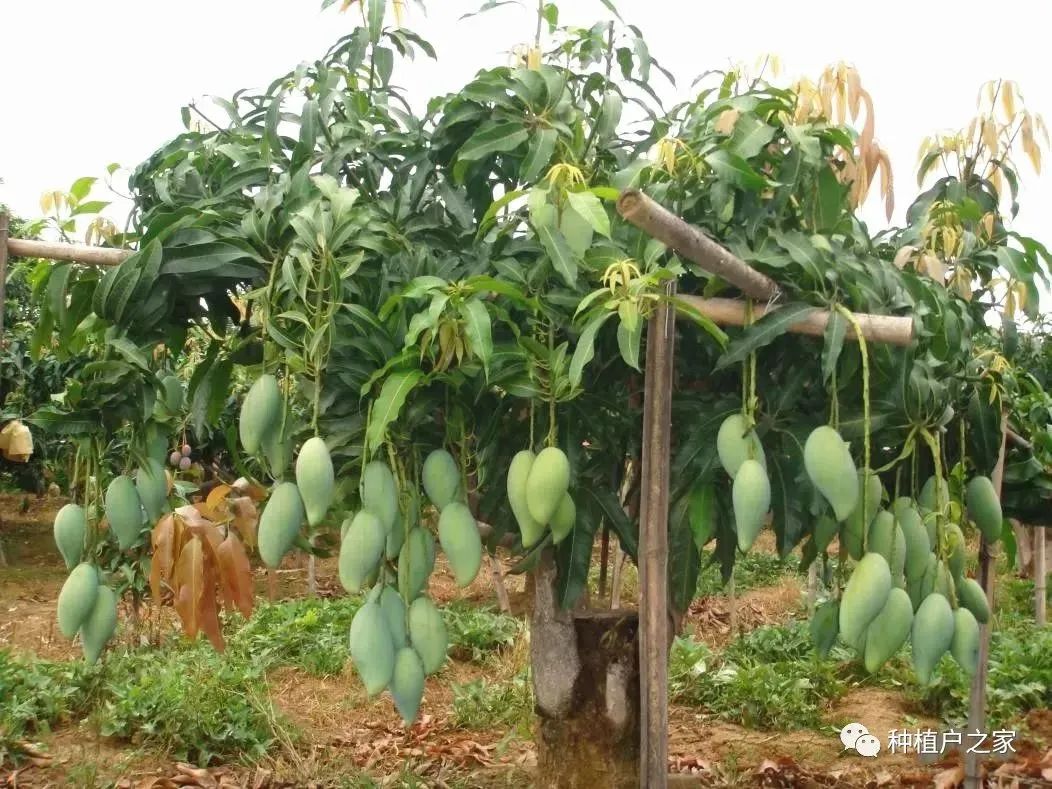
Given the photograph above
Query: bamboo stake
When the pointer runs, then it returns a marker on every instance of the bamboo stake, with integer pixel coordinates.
(73, 253)
(653, 547)
(890, 329)
(1040, 576)
(987, 576)
(690, 242)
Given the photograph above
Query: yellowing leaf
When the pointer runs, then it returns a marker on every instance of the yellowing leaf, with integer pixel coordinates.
(903, 256)
(987, 224)
(990, 137)
(1008, 99)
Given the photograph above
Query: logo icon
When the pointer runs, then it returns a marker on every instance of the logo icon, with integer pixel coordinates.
(856, 737)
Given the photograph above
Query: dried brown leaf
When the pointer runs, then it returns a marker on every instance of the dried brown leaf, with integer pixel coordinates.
(189, 582)
(208, 608)
(235, 575)
(246, 518)
(191, 515)
(162, 539)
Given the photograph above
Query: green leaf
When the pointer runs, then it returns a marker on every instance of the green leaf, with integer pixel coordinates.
(785, 493)
(376, 19)
(81, 188)
(589, 206)
(538, 155)
(478, 327)
(765, 331)
(563, 258)
(614, 514)
(585, 350)
(733, 168)
(684, 561)
(628, 342)
(835, 332)
(199, 390)
(486, 284)
(57, 286)
(491, 213)
(984, 430)
(577, 231)
(703, 512)
(273, 119)
(573, 556)
(385, 409)
(126, 348)
(690, 311)
(90, 207)
(750, 136)
(828, 201)
(216, 258)
(491, 138)
(59, 422)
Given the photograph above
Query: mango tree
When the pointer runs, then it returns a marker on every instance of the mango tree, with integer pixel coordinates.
(443, 319)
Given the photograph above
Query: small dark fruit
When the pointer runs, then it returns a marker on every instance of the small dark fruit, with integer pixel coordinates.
(186, 450)
(174, 458)
(184, 464)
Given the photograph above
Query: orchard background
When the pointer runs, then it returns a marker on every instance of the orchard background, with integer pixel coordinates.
(292, 410)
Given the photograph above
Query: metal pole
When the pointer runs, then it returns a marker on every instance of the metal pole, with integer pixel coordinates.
(653, 546)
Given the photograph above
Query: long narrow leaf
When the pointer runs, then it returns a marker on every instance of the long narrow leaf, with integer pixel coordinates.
(765, 331)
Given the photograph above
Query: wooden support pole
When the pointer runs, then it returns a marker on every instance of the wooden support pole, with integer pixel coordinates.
(690, 242)
(890, 329)
(653, 546)
(987, 576)
(72, 253)
(1040, 576)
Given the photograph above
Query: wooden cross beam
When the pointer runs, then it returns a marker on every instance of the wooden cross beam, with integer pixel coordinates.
(72, 253)
(690, 242)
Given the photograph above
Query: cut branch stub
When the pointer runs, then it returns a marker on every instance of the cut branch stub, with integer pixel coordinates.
(690, 242)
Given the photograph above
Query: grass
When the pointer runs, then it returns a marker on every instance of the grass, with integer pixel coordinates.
(768, 679)
(187, 701)
(753, 570)
(308, 634)
(1019, 680)
(483, 704)
(183, 699)
(475, 633)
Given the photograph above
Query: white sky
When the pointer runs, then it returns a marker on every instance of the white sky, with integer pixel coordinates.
(86, 84)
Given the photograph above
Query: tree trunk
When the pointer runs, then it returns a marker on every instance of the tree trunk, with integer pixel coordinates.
(586, 686)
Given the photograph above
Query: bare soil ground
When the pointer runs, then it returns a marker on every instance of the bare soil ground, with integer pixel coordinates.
(344, 733)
